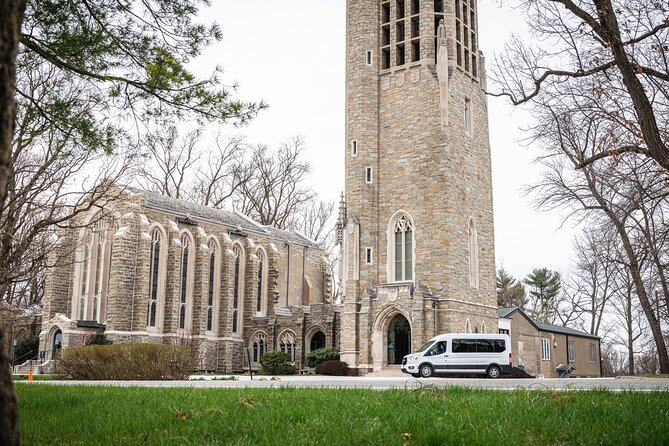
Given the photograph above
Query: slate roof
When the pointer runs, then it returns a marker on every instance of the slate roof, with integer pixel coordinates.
(565, 330)
(507, 312)
(233, 220)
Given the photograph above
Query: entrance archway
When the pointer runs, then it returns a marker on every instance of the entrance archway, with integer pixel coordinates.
(399, 339)
(57, 342)
(317, 341)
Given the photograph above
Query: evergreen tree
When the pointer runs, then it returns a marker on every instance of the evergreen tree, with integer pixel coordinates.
(545, 286)
(510, 292)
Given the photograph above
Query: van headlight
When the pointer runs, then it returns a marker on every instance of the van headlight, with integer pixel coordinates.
(413, 358)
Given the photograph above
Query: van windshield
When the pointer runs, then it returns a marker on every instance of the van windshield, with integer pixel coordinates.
(426, 346)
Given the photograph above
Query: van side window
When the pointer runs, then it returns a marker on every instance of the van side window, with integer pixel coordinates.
(484, 346)
(463, 346)
(500, 345)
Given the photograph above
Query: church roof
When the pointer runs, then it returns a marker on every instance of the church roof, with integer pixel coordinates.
(233, 220)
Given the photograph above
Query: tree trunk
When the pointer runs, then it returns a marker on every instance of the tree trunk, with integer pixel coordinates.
(630, 334)
(642, 105)
(9, 423)
(11, 18)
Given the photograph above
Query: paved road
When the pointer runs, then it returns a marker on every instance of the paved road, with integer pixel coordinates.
(382, 383)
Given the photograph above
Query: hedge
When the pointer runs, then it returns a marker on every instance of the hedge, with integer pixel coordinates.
(322, 354)
(333, 368)
(136, 362)
(276, 363)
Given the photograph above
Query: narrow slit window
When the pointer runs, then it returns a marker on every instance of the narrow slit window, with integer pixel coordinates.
(468, 116)
(369, 58)
(368, 255)
(354, 148)
(368, 174)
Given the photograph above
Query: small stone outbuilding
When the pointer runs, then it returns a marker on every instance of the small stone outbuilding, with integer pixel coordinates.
(541, 348)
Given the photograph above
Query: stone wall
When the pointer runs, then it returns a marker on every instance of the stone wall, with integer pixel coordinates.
(126, 315)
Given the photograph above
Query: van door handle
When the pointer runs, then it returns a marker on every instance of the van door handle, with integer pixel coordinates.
(445, 356)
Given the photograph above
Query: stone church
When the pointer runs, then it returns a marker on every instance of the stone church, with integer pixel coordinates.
(150, 268)
(415, 225)
(416, 221)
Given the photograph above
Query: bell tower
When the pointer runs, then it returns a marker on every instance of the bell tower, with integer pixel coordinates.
(416, 225)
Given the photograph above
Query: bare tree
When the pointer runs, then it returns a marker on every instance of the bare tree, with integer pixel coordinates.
(276, 190)
(54, 178)
(609, 190)
(222, 173)
(593, 281)
(630, 323)
(169, 162)
(616, 53)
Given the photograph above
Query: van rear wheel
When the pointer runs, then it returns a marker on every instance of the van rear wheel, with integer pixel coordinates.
(426, 371)
(493, 372)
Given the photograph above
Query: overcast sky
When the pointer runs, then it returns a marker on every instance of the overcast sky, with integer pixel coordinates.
(291, 54)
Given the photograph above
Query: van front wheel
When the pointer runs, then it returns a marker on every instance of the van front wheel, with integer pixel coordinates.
(493, 372)
(426, 371)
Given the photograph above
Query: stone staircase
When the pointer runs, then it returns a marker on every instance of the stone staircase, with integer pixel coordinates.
(388, 371)
(35, 365)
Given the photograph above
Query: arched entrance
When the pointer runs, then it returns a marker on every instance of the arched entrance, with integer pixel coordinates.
(317, 341)
(57, 342)
(399, 339)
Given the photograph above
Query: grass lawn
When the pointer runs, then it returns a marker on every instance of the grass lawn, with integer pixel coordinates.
(64, 415)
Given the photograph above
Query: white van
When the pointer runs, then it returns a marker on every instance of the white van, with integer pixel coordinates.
(479, 353)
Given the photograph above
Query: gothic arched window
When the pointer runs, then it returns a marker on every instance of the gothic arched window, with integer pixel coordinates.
(154, 264)
(287, 343)
(261, 297)
(237, 312)
(211, 285)
(401, 248)
(185, 283)
(94, 270)
(258, 345)
(157, 276)
(473, 255)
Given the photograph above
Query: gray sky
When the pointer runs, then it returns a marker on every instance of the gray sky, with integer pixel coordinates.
(291, 54)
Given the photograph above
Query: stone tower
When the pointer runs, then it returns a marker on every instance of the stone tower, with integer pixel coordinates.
(416, 223)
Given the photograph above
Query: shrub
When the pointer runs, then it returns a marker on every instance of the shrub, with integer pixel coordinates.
(322, 354)
(140, 362)
(276, 363)
(26, 348)
(332, 367)
(99, 338)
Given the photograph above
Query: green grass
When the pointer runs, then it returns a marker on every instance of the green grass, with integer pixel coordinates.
(654, 376)
(65, 415)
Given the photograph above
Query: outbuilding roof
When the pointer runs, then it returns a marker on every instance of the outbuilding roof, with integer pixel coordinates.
(506, 312)
(565, 330)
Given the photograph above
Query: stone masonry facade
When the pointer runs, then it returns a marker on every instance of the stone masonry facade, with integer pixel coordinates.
(403, 157)
(131, 249)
